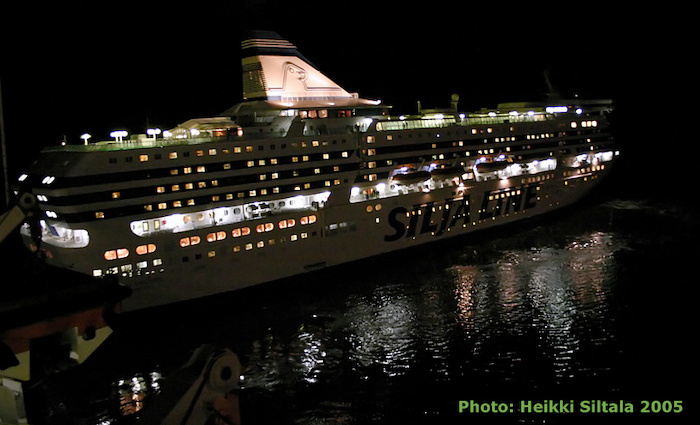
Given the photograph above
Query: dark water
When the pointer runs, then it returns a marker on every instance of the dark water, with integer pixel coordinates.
(588, 304)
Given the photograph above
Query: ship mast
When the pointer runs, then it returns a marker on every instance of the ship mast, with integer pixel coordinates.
(4, 152)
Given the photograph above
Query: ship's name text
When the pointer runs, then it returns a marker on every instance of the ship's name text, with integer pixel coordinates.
(436, 218)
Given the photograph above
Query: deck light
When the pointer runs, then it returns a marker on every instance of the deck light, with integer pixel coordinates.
(153, 132)
(119, 135)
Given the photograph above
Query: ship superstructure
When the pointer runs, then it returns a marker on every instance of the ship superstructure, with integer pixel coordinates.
(300, 176)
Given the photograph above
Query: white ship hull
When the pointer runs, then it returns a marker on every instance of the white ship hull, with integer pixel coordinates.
(341, 234)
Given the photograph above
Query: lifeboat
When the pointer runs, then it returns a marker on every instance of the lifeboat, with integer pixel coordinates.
(410, 176)
(447, 171)
(490, 167)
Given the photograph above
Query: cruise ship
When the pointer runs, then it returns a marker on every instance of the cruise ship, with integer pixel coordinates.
(299, 176)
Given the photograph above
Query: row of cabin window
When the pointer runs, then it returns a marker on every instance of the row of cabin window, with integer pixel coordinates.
(127, 269)
(249, 246)
(214, 183)
(114, 254)
(245, 231)
(460, 143)
(229, 196)
(236, 149)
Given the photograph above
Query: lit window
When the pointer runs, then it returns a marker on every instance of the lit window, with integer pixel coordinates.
(111, 255)
(175, 187)
(122, 253)
(211, 254)
(116, 195)
(143, 158)
(212, 151)
(200, 153)
(145, 249)
(172, 155)
(260, 244)
(162, 206)
(187, 170)
(201, 169)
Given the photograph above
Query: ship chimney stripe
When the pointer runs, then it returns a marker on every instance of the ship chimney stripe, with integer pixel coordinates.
(267, 43)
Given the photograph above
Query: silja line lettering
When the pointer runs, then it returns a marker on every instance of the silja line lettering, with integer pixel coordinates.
(427, 218)
(453, 210)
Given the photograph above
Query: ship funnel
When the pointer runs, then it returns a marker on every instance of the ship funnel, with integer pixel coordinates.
(274, 70)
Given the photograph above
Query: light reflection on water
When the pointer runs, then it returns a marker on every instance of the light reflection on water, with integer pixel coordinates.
(525, 314)
(519, 313)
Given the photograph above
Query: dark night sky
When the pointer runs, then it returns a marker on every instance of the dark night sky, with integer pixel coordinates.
(67, 70)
